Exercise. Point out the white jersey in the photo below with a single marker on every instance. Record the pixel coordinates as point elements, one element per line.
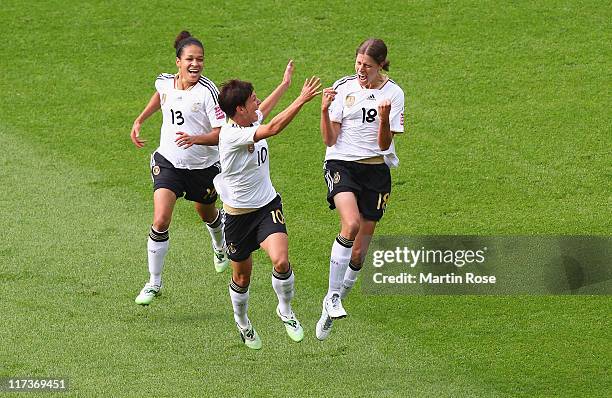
<point>194,111</point>
<point>356,108</point>
<point>244,181</point>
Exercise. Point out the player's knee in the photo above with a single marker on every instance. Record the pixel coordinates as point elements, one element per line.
<point>281,265</point>
<point>208,213</point>
<point>350,229</point>
<point>161,223</point>
<point>241,279</point>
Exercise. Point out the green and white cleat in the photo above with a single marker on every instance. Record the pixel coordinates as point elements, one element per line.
<point>250,337</point>
<point>148,293</point>
<point>220,259</point>
<point>292,325</point>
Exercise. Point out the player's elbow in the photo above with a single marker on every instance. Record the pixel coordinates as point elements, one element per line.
<point>328,139</point>
<point>274,128</point>
<point>329,142</point>
<point>384,145</point>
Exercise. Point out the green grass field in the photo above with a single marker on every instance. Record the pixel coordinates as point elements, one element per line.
<point>508,133</point>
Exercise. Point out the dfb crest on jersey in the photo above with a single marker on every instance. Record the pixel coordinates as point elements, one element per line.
<point>251,148</point>
<point>163,99</point>
<point>349,100</point>
<point>196,106</point>
<point>156,170</point>
<point>336,177</point>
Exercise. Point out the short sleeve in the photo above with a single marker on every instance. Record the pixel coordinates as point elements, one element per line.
<point>162,82</point>
<point>215,115</point>
<point>237,136</point>
<point>159,83</point>
<point>336,109</point>
<point>396,117</point>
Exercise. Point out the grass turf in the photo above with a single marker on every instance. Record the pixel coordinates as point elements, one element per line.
<point>507,133</point>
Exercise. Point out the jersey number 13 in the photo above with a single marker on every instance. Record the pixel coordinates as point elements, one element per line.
<point>177,117</point>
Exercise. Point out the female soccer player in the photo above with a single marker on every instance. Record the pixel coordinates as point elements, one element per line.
<point>359,116</point>
<point>253,209</point>
<point>191,115</point>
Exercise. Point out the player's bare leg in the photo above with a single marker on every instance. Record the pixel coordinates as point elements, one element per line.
<point>277,248</point>
<point>346,204</point>
<point>358,254</point>
<point>239,295</point>
<point>213,218</point>
<point>157,244</point>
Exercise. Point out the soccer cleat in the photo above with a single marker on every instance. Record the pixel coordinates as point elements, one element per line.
<point>292,325</point>
<point>249,336</point>
<point>148,293</point>
<point>324,326</point>
<point>334,308</point>
<point>220,259</point>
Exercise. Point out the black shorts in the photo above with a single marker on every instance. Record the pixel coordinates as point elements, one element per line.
<point>371,184</point>
<point>196,184</point>
<point>244,233</point>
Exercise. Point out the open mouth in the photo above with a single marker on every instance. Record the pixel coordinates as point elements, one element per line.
<point>362,78</point>
<point>193,72</point>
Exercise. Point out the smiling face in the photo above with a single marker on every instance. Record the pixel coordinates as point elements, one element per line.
<point>191,64</point>
<point>368,70</point>
<point>250,108</point>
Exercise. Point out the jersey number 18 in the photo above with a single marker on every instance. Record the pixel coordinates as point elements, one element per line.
<point>368,115</point>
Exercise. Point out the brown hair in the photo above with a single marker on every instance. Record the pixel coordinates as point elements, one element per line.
<point>234,93</point>
<point>185,39</point>
<point>375,48</point>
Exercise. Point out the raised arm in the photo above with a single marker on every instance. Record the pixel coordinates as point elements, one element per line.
<point>329,129</point>
<point>153,106</point>
<point>279,122</point>
<point>270,102</point>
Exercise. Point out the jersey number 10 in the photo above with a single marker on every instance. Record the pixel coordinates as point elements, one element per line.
<point>262,155</point>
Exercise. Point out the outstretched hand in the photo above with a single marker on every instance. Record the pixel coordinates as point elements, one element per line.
<point>288,73</point>
<point>310,89</point>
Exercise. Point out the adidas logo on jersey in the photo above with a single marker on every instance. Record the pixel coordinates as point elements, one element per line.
<point>371,98</point>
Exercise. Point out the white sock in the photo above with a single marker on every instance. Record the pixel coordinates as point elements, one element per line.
<point>350,277</point>
<point>240,302</point>
<point>283,286</point>
<point>157,247</point>
<point>338,263</point>
<point>215,229</point>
